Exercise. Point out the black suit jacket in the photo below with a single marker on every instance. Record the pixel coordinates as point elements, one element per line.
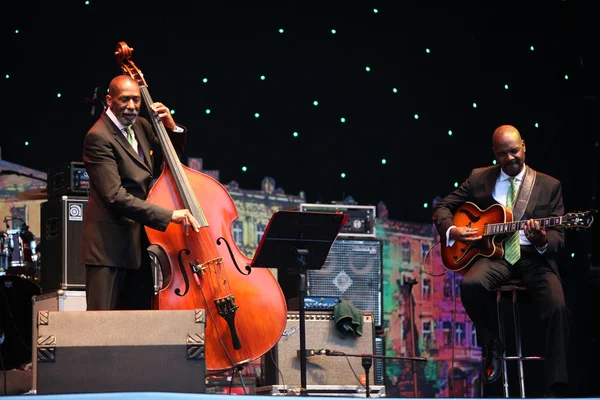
<point>545,201</point>
<point>119,184</point>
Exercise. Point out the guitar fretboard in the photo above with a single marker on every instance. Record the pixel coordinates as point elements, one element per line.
<point>507,227</point>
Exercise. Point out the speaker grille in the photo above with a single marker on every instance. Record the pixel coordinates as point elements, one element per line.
<point>352,271</point>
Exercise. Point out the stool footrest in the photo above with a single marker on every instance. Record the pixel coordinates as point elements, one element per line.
<point>517,358</point>
<point>511,288</point>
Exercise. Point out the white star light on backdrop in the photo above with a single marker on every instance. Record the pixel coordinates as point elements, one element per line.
<point>427,56</point>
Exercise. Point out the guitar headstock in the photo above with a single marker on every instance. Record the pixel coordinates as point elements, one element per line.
<point>579,219</point>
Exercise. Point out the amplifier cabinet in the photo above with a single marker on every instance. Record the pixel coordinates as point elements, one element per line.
<point>352,271</point>
<point>282,363</point>
<point>62,229</point>
<point>68,179</point>
<point>120,351</point>
<point>361,219</point>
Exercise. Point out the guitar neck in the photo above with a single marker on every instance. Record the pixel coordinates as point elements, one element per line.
<point>508,227</point>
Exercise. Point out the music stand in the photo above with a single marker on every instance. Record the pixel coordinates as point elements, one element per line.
<point>301,240</point>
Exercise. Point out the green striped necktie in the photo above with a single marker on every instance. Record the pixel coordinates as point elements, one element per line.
<point>512,246</point>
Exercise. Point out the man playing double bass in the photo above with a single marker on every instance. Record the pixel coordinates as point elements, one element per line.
<point>122,156</point>
<point>533,258</point>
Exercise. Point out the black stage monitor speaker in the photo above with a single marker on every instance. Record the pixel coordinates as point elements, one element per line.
<point>60,247</point>
<point>352,271</point>
<point>120,351</point>
<point>282,363</point>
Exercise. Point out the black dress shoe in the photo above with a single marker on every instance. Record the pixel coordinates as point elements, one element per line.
<point>492,368</point>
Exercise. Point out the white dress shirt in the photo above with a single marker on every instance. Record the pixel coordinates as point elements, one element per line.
<point>501,191</point>
<point>121,127</point>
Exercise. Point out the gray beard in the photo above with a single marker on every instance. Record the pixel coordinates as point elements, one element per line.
<point>126,122</point>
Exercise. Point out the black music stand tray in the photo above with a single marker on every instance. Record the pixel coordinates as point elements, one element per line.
<point>301,240</point>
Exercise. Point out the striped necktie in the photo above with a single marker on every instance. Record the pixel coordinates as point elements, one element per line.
<point>512,246</point>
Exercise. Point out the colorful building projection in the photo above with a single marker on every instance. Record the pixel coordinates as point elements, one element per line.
<point>443,332</point>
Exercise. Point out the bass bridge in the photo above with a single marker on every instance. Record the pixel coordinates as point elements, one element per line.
<point>200,268</point>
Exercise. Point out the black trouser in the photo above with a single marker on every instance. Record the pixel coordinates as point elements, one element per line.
<point>111,288</point>
<point>546,291</point>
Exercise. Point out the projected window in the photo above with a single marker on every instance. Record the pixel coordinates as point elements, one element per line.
<point>447,287</point>
<point>427,335</point>
<point>425,289</point>
<point>406,252</point>
<point>473,336</point>
<point>424,250</point>
<point>238,233</point>
<point>260,231</point>
<point>447,331</point>
<point>457,288</point>
<point>459,334</point>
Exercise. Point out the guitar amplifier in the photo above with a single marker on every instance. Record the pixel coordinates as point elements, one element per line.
<point>70,179</point>
<point>282,362</point>
<point>361,219</point>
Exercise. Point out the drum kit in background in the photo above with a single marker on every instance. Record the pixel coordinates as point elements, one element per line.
<point>19,282</point>
<point>18,255</point>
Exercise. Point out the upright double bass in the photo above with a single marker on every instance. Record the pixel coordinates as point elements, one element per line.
<point>245,308</point>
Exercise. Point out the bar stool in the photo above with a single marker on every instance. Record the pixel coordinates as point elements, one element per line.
<point>514,286</point>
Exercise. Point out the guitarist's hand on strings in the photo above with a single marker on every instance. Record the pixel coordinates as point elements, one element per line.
<point>464,234</point>
<point>186,219</point>
<point>535,234</point>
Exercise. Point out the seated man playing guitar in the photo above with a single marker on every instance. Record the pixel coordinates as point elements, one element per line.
<point>530,196</point>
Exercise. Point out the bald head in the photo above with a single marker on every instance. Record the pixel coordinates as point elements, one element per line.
<point>509,149</point>
<point>121,82</point>
<point>124,99</point>
<point>504,131</point>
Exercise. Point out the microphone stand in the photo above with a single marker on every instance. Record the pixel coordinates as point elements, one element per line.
<point>367,361</point>
<point>302,288</point>
<point>410,282</point>
<point>96,100</point>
